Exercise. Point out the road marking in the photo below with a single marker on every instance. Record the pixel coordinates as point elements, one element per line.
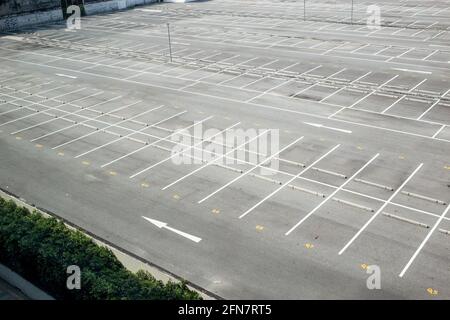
<point>424,242</point>
<point>250,170</point>
<point>432,291</point>
<point>415,71</point>
<point>289,181</point>
<point>215,211</point>
<point>317,125</point>
<point>216,159</point>
<point>65,76</point>
<point>176,197</point>
<point>39,145</point>
<point>259,228</point>
<point>332,194</point>
<point>112,173</point>
<point>309,245</point>
<point>18,138</point>
<point>159,139</point>
<point>61,154</point>
<point>111,125</point>
<point>86,163</point>
<point>164,225</point>
<point>230,99</point>
<point>364,266</point>
<point>145,185</point>
<point>379,210</point>
<point>447,167</point>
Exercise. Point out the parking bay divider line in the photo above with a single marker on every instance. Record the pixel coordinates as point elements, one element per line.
<point>131,133</point>
<point>416,253</point>
<point>75,123</point>
<point>379,210</point>
<point>259,165</point>
<point>332,194</point>
<point>71,114</point>
<point>213,161</point>
<point>183,151</point>
<point>159,139</point>
<point>289,181</point>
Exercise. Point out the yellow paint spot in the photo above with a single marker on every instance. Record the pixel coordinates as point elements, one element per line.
<point>176,197</point>
<point>145,185</point>
<point>259,228</point>
<point>309,245</point>
<point>39,145</point>
<point>19,138</point>
<point>447,167</point>
<point>113,173</point>
<point>86,163</point>
<point>401,157</point>
<point>364,266</point>
<point>216,211</point>
<point>432,291</point>
<point>360,148</point>
<point>61,154</point>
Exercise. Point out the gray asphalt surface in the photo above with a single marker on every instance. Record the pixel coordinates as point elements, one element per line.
<point>367,185</point>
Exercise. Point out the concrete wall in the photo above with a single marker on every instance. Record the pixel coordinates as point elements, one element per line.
<point>11,7</point>
<point>16,14</point>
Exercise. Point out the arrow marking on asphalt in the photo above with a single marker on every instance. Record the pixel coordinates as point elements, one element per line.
<point>163,225</point>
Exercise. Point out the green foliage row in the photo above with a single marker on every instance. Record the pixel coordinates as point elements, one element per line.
<point>40,249</point>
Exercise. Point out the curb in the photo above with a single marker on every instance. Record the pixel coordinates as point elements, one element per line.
<point>130,260</point>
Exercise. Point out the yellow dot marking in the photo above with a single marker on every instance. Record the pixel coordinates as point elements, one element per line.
<point>309,246</point>
<point>19,138</point>
<point>39,145</point>
<point>61,154</point>
<point>401,157</point>
<point>259,228</point>
<point>86,163</point>
<point>113,173</point>
<point>364,266</point>
<point>216,211</point>
<point>145,185</point>
<point>432,291</point>
<point>176,197</point>
<point>447,167</point>
<point>360,148</point>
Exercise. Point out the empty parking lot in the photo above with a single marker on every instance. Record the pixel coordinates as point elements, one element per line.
<point>87,119</point>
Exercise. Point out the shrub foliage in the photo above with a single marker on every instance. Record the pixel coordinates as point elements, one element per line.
<point>40,249</point>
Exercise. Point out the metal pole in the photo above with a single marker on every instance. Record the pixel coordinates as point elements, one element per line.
<point>170,44</point>
<point>352,12</point>
<point>304,10</point>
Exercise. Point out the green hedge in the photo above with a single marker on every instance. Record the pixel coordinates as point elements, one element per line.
<point>40,249</point>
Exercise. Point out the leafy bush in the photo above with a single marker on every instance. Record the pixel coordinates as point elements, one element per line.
<point>40,249</point>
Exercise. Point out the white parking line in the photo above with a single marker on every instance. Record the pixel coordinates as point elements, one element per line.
<point>68,113</point>
<point>250,170</point>
<point>40,111</point>
<point>183,151</point>
<point>159,139</point>
<point>129,134</point>
<point>214,160</point>
<point>289,181</point>
<point>379,210</point>
<point>416,253</point>
<point>331,195</point>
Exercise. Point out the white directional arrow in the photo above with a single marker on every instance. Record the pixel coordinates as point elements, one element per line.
<point>163,225</point>
<point>318,125</point>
